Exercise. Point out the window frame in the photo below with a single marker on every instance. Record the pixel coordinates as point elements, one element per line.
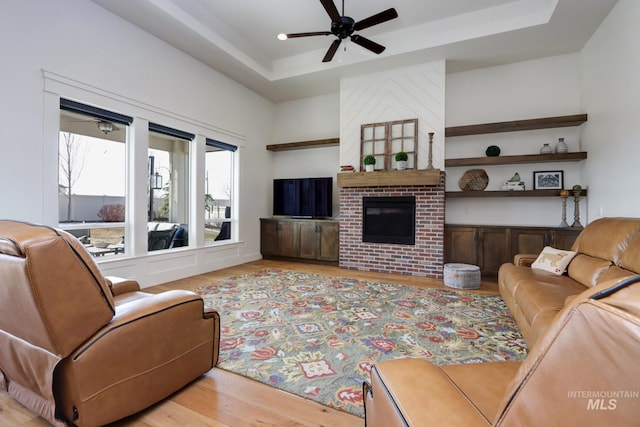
<point>56,86</point>
<point>381,141</point>
<point>89,112</point>
<point>231,219</point>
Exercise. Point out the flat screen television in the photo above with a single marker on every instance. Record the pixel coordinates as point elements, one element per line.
<point>303,197</point>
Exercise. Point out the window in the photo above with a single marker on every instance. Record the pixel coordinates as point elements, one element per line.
<point>384,140</point>
<point>219,161</point>
<point>91,176</point>
<point>168,202</point>
<point>96,158</point>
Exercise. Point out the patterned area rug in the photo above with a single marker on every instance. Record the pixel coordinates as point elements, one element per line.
<point>317,336</point>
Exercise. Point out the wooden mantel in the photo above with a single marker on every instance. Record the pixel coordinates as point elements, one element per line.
<point>389,178</point>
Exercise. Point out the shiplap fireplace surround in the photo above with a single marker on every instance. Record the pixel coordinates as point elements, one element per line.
<point>425,257</point>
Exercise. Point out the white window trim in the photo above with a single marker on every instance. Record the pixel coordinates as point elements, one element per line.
<point>57,86</point>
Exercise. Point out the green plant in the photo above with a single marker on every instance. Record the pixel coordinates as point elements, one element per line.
<point>401,156</point>
<point>369,160</point>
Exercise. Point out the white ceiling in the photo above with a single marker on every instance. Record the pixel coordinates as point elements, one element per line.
<point>238,37</point>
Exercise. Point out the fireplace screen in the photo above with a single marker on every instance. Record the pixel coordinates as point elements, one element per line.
<point>389,220</point>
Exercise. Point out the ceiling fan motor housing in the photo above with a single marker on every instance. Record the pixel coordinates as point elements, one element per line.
<point>344,28</point>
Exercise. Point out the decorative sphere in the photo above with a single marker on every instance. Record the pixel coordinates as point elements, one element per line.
<point>577,187</point>
<point>492,151</point>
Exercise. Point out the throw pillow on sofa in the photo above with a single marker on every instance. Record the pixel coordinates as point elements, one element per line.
<point>553,260</point>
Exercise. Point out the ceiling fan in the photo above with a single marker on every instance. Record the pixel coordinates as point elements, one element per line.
<point>344,26</point>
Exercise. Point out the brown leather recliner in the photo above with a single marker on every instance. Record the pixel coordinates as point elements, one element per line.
<point>583,371</point>
<point>80,349</point>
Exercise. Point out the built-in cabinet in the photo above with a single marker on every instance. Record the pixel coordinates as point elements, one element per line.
<point>491,246</point>
<point>308,239</point>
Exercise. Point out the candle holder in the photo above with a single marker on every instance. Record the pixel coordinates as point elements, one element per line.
<point>576,209</point>
<point>430,164</point>
<point>564,194</point>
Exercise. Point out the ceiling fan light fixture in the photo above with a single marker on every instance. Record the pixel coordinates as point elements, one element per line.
<point>282,36</point>
<point>105,126</point>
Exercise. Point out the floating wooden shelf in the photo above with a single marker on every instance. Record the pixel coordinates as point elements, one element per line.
<point>389,178</point>
<point>526,193</point>
<point>517,125</point>
<point>527,158</point>
<point>304,144</point>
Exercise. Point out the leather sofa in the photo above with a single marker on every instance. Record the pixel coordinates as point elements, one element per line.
<point>583,371</point>
<point>607,249</point>
<point>583,332</point>
<point>81,349</point>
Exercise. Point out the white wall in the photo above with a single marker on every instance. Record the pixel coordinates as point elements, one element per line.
<point>526,90</point>
<point>308,119</point>
<point>610,64</point>
<point>83,43</point>
<point>403,93</point>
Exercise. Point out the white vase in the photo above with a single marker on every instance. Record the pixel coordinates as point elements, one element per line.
<point>546,149</point>
<point>401,164</point>
<point>561,146</point>
<point>369,168</point>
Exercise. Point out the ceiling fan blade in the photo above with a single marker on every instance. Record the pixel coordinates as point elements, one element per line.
<point>332,51</point>
<point>332,10</point>
<point>315,33</point>
<point>367,44</point>
<point>376,19</point>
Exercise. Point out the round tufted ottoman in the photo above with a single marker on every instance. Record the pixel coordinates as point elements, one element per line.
<point>462,276</point>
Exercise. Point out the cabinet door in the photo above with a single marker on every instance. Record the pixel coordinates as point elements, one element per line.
<point>460,245</point>
<point>494,250</point>
<point>328,249</point>
<point>288,238</point>
<point>529,240</point>
<point>309,239</point>
<point>269,237</point>
<point>564,239</point>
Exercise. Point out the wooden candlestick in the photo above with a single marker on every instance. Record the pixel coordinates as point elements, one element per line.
<point>564,194</point>
<point>576,210</point>
<point>430,164</point>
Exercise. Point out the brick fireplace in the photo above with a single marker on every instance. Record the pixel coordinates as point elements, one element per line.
<point>425,257</point>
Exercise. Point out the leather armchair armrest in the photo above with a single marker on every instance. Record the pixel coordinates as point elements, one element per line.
<point>178,307</point>
<point>524,260</point>
<point>120,286</point>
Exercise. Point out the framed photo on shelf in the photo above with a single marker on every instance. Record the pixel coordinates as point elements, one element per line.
<point>548,180</point>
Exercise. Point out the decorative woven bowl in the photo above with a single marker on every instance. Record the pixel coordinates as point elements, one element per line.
<point>474,180</point>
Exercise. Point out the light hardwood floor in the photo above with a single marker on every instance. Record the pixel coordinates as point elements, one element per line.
<point>220,398</point>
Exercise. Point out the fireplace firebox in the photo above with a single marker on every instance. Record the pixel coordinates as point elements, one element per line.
<point>389,220</point>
